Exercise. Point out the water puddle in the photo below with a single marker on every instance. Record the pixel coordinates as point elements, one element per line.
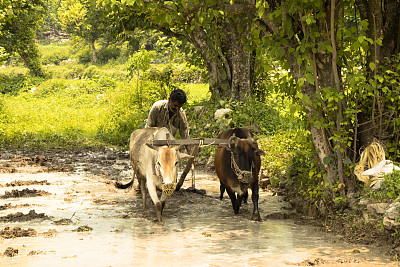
<point>95,224</point>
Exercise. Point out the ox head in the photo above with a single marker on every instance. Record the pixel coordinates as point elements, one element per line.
<point>166,166</point>
<point>243,156</point>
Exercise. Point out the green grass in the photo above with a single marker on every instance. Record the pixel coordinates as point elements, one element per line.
<point>197,92</point>
<point>72,112</point>
<point>37,122</point>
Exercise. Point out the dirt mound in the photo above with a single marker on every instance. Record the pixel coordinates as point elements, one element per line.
<point>20,217</point>
<point>10,252</point>
<point>63,221</point>
<point>8,232</point>
<point>319,262</point>
<point>24,193</point>
<point>26,183</point>
<point>14,163</point>
<point>49,233</point>
<point>10,206</point>
<point>36,252</point>
<point>83,228</point>
<point>100,161</point>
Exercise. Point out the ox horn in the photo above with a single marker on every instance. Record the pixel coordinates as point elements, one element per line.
<point>232,140</point>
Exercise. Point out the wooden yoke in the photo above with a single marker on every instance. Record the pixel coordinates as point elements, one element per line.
<point>196,142</point>
<point>189,141</point>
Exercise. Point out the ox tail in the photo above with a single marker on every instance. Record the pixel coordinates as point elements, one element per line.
<point>120,185</point>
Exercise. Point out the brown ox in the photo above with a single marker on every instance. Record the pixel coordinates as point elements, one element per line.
<point>155,167</point>
<point>237,166</point>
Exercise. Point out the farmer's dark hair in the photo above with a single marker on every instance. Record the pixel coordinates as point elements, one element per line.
<point>178,95</point>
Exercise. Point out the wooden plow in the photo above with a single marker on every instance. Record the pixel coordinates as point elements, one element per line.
<point>196,143</point>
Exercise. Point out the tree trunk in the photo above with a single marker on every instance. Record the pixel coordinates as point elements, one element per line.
<point>94,52</point>
<point>229,63</point>
<point>240,60</point>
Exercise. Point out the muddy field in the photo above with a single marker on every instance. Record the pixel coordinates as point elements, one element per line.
<point>62,209</point>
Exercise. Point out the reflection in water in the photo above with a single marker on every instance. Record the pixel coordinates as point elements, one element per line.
<point>199,230</point>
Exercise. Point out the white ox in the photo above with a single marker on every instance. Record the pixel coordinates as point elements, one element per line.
<point>156,167</point>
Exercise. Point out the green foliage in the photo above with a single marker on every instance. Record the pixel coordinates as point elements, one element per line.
<point>50,87</point>
<point>305,181</point>
<point>197,92</point>
<point>91,71</point>
<point>50,22</point>
<point>169,76</point>
<point>4,113</point>
<point>54,54</point>
<point>139,62</point>
<point>59,113</point>
<point>19,21</point>
<point>91,22</point>
<point>391,184</point>
<point>103,57</point>
<point>172,50</point>
<point>14,83</point>
<point>85,55</point>
<point>3,56</point>
<point>125,112</point>
<point>108,54</point>
<point>389,190</point>
<point>280,148</point>
<point>186,73</point>
<point>261,118</point>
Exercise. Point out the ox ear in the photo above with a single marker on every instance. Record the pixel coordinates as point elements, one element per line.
<point>259,152</point>
<point>184,155</point>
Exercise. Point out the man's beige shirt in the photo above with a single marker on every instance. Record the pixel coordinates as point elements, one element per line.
<point>159,117</point>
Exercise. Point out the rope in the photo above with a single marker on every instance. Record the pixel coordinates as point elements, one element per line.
<point>243,176</point>
<point>371,156</point>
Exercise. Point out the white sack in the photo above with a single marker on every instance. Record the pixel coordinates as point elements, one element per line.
<point>382,168</point>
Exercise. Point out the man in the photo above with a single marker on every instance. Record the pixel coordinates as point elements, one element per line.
<point>169,114</point>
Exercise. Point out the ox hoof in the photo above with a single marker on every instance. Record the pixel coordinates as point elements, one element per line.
<point>157,221</point>
<point>256,217</point>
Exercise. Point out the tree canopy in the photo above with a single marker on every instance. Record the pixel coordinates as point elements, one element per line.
<point>19,21</point>
<point>342,57</point>
<point>91,22</point>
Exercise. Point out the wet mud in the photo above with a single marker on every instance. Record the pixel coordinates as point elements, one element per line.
<point>24,193</point>
<point>81,219</point>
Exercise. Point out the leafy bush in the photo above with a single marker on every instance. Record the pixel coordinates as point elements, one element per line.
<point>304,183</point>
<point>123,112</point>
<point>50,87</point>
<point>84,55</point>
<point>389,190</point>
<point>91,72</point>
<point>53,55</point>
<point>261,118</point>
<point>280,149</point>
<point>14,83</point>
<point>4,112</point>
<point>186,73</point>
<point>108,54</point>
<point>66,70</point>
<point>391,184</point>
